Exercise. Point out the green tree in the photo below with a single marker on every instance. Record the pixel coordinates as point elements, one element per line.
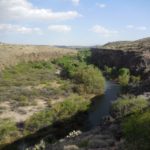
<point>124,76</point>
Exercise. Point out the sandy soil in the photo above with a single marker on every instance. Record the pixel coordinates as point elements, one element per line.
<point>21,113</point>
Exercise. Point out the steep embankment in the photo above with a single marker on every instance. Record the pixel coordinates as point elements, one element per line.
<point>133,55</point>
<point>11,54</point>
<point>137,62</point>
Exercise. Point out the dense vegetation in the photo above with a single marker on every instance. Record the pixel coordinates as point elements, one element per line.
<point>127,105</point>
<point>88,79</point>
<point>122,75</point>
<point>136,129</point>
<point>63,86</point>
<point>135,115</point>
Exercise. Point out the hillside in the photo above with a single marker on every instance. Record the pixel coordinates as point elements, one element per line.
<point>11,54</point>
<point>138,45</point>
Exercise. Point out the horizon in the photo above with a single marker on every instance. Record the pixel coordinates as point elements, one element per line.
<point>73,22</point>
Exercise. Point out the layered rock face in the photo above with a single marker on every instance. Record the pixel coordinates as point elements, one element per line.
<point>137,62</point>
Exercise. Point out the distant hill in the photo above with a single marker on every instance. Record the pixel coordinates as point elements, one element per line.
<point>138,45</point>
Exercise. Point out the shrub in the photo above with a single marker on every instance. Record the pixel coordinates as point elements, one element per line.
<point>136,130</point>
<point>84,55</point>
<point>89,80</point>
<point>124,76</point>
<point>69,107</point>
<point>135,79</point>
<point>108,70</point>
<point>58,111</point>
<point>39,120</point>
<point>8,131</point>
<point>128,105</point>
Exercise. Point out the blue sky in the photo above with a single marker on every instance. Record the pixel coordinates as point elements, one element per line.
<point>73,22</point>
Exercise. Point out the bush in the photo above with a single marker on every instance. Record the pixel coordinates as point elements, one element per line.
<point>124,76</point>
<point>39,120</point>
<point>8,131</point>
<point>136,130</point>
<point>84,55</point>
<point>69,107</point>
<point>108,70</point>
<point>58,111</point>
<point>128,105</point>
<point>135,79</point>
<point>89,80</point>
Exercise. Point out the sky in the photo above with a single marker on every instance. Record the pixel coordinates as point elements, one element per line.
<point>73,22</point>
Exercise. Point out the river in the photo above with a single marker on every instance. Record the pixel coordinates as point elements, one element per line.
<point>101,104</point>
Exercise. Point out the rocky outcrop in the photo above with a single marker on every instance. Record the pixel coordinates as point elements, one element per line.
<point>137,62</point>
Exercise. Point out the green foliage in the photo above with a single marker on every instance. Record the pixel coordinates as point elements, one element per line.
<point>58,111</point>
<point>88,78</point>
<point>135,79</point>
<point>128,105</point>
<point>69,107</point>
<point>84,55</point>
<point>136,129</point>
<point>39,120</point>
<point>108,70</point>
<point>124,76</point>
<point>27,73</point>
<point>8,131</point>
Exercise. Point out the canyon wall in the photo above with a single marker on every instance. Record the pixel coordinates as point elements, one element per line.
<point>137,62</point>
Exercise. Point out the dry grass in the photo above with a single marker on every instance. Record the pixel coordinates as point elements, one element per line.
<point>11,54</point>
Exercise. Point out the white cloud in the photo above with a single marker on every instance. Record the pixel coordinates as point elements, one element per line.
<point>76,2</point>
<point>140,28</point>
<point>59,28</point>
<point>18,29</point>
<point>23,9</point>
<point>130,26</point>
<point>103,31</point>
<point>101,5</point>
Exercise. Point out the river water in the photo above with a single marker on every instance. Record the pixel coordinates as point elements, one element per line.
<point>101,104</point>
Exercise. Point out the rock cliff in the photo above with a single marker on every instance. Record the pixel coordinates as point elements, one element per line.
<point>136,61</point>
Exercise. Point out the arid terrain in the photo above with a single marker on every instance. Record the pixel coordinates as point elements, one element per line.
<point>11,54</point>
<point>46,91</point>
